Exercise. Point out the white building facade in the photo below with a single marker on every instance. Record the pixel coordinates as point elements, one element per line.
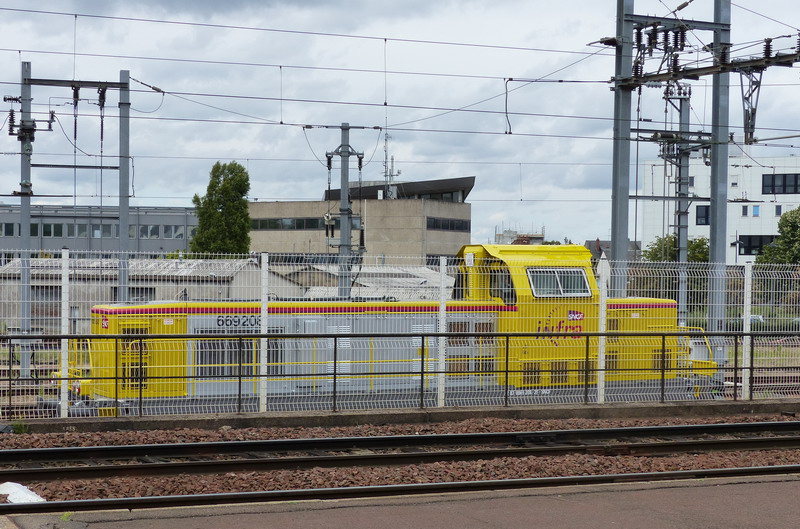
<point>760,190</point>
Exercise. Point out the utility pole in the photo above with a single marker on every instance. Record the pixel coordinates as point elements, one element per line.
<point>668,35</point>
<point>620,185</point>
<point>25,133</point>
<point>718,212</point>
<point>652,34</point>
<point>344,151</point>
<point>682,217</point>
<point>124,180</point>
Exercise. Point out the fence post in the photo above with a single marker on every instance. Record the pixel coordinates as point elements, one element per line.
<point>441,341</point>
<point>263,330</point>
<point>140,376</point>
<point>9,392</point>
<point>736,370</point>
<point>507,389</point>
<point>117,379</point>
<point>586,372</point>
<point>663,367</point>
<point>239,375</point>
<point>604,270</point>
<point>422,373</point>
<point>748,344</point>
<point>335,369</point>
<point>63,393</point>
<point>750,367</point>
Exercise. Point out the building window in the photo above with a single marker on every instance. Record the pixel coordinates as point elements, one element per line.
<point>148,231</point>
<point>437,223</point>
<point>77,230</point>
<point>34,230</point>
<point>52,230</point>
<point>105,231</point>
<point>752,244</point>
<point>7,229</point>
<point>300,223</point>
<point>701,216</point>
<point>780,184</point>
<point>778,210</point>
<point>744,211</point>
<point>45,293</point>
<point>756,211</point>
<point>173,231</point>
<point>135,293</point>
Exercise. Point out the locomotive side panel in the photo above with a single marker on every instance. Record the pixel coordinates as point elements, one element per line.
<point>499,289</point>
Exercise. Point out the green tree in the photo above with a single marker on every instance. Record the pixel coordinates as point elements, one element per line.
<point>666,249</point>
<point>785,249</point>
<point>223,221</point>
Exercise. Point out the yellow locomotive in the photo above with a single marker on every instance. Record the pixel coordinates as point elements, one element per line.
<point>515,325</point>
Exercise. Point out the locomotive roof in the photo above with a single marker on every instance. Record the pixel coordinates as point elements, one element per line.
<point>559,254</point>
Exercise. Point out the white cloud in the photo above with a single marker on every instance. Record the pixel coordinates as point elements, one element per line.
<point>551,171</point>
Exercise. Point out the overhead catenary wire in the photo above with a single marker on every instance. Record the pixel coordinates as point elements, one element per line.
<point>290,31</point>
<point>414,130</point>
<point>277,66</point>
<point>734,4</point>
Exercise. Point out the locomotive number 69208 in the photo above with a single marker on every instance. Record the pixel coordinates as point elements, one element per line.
<point>239,320</point>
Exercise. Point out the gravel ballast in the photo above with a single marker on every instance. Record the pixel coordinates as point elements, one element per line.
<point>501,468</point>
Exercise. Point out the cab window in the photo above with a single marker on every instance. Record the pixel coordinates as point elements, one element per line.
<point>501,286</point>
<point>559,282</point>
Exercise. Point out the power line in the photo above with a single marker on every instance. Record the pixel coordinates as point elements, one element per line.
<point>265,121</point>
<point>267,65</point>
<point>765,16</point>
<point>294,32</point>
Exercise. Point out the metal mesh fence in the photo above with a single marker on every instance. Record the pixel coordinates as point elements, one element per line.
<point>99,335</point>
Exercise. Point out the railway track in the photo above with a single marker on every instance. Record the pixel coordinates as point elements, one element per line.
<point>37,465</point>
<point>47,464</point>
<point>196,500</point>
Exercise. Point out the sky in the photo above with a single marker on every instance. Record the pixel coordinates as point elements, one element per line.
<point>512,92</point>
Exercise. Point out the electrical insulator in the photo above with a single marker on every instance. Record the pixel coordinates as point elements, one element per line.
<point>11,122</point>
<point>360,161</point>
<point>767,48</point>
<point>330,161</point>
<point>638,68</point>
<point>651,40</point>
<point>638,37</point>
<point>682,34</point>
<point>724,58</point>
<point>666,39</point>
<point>675,66</point>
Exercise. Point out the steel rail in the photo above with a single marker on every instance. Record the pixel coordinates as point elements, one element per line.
<point>196,500</point>
<point>544,437</point>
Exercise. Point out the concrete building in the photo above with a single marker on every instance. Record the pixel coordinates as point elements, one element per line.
<point>509,236</point>
<point>427,219</point>
<point>423,219</point>
<point>759,192</point>
<point>152,230</point>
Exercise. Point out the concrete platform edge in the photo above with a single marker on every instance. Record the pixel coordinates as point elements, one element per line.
<point>415,416</point>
